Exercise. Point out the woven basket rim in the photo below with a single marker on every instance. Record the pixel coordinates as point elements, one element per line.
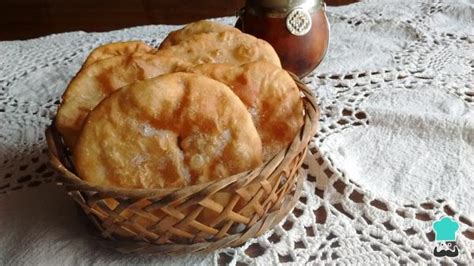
<point>57,150</point>
<point>202,247</point>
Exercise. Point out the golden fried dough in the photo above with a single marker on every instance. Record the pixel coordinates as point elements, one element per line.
<point>170,131</point>
<point>202,26</point>
<point>93,83</point>
<point>222,47</point>
<point>117,48</point>
<point>270,95</point>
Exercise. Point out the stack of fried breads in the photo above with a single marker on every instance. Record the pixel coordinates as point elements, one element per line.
<point>209,103</point>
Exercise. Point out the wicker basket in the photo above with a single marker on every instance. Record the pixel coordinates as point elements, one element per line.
<point>152,221</point>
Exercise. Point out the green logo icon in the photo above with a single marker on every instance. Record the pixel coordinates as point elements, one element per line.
<point>445,229</point>
<point>445,236</point>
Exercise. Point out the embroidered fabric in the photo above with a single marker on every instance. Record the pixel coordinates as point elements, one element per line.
<point>395,151</point>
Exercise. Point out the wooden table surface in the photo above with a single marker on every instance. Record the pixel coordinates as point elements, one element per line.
<point>24,19</point>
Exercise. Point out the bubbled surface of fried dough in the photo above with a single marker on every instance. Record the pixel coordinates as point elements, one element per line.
<point>222,47</point>
<point>171,131</point>
<point>270,95</point>
<point>117,48</point>
<point>202,26</point>
<point>95,82</point>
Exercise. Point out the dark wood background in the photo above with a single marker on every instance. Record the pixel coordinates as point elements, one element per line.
<point>24,19</point>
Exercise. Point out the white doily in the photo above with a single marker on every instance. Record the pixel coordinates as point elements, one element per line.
<point>396,92</point>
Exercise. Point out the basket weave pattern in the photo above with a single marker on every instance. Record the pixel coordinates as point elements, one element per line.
<point>192,219</point>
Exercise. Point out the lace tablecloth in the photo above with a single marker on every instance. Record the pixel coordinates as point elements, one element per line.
<point>394,153</point>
